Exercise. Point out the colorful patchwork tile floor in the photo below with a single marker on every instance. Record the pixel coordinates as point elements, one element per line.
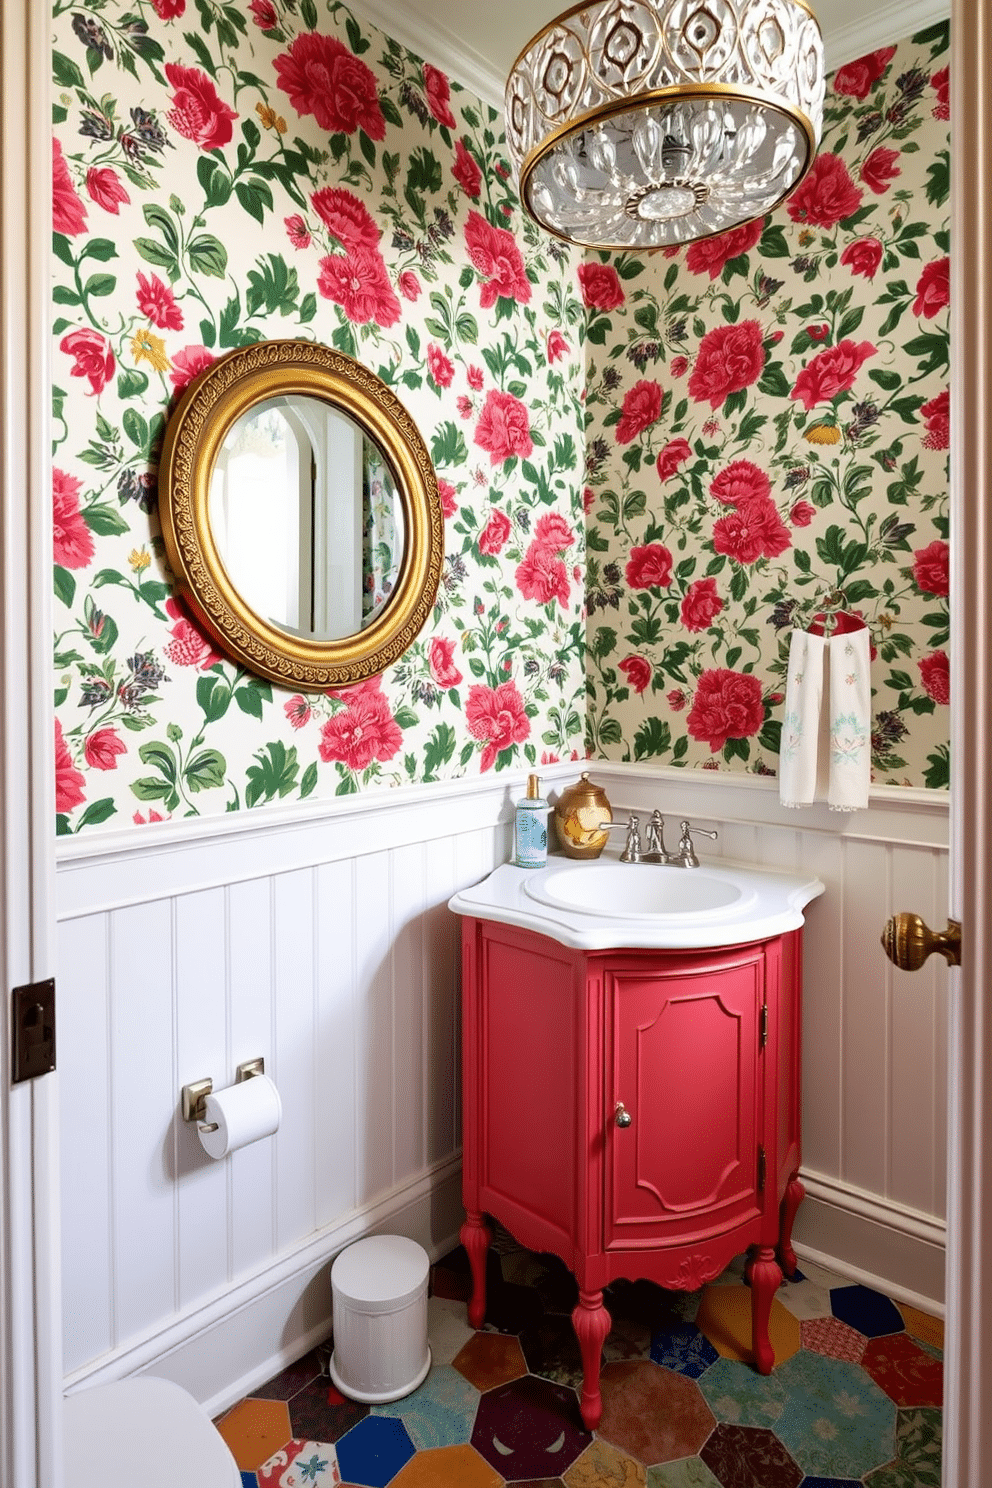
<point>855,1396</point>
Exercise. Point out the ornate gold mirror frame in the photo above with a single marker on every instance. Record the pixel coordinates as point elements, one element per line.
<point>205,414</point>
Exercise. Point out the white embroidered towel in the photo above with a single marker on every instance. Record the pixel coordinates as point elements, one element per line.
<point>826,752</point>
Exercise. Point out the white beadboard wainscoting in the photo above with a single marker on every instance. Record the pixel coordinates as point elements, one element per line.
<point>321,940</point>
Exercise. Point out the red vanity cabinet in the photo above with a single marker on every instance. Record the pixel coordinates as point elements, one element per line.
<point>636,1112</point>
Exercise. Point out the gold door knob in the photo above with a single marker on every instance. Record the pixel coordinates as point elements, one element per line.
<point>908,941</point>
<point>621,1115</point>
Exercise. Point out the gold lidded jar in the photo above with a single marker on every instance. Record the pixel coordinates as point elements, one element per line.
<point>579,813</point>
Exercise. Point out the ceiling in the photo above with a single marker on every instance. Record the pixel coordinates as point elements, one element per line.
<point>477,41</point>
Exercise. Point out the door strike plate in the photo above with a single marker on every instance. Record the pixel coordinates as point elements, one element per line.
<point>33,1030</point>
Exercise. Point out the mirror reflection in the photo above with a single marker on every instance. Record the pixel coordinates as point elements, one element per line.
<point>306,518</point>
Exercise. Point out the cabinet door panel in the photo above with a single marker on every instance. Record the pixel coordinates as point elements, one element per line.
<point>685,1062</point>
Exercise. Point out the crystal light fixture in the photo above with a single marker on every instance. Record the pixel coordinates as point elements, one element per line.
<point>648,123</point>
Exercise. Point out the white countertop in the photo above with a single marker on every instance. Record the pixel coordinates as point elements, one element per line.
<point>767,903</point>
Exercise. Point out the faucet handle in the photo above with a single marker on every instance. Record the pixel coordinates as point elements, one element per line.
<point>687,853</point>
<point>632,847</point>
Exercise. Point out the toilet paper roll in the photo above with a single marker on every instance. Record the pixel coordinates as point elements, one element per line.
<point>241,1114</point>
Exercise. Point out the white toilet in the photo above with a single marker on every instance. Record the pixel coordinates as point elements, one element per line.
<point>146,1431</point>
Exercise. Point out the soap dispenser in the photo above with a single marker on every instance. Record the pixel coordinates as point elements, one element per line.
<point>530,835</point>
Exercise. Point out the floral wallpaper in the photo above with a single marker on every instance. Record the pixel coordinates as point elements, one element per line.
<point>766,441</point>
<point>225,172</point>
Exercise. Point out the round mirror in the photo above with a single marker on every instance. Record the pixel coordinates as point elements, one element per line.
<point>300,514</point>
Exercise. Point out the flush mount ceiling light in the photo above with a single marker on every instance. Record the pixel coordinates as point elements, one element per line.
<point>647,123</point>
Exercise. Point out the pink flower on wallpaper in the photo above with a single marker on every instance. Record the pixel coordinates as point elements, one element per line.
<point>493,536</point>
<point>600,286</point>
<point>856,79</point>
<point>297,231</point>
<point>497,258</point>
<point>726,705</point>
<point>438,366</point>
<point>880,169</point>
<point>937,414</point>
<point>447,494</point>
<point>465,406</point>
<point>863,256</point>
<point>935,674</point>
<point>496,716</point>
<point>801,514</point>
<point>931,568</point>
<point>826,196</point>
<point>504,427</point>
<point>554,532</point>
<point>92,356</point>
<point>68,212</point>
<point>409,285</point>
<point>347,217</point>
<point>189,363</point>
<point>106,188</point>
<point>675,453</point>
<point>677,700</point>
<point>710,255</point>
<point>440,659</point>
<point>740,481</point>
<point>641,408</point>
<point>197,112</point>
<point>298,711</point>
<point>466,171</point>
<point>755,530</point>
<point>649,567</point>
<point>933,289</point>
<point>72,540</point>
<point>69,781</point>
<point>940,82</point>
<point>357,281</point>
<point>189,647</point>
<point>362,732</point>
<point>637,670</point>
<point>557,346</point>
<point>157,303</point>
<point>679,366</point>
<point>700,605</point>
<point>438,93</point>
<point>102,748</point>
<point>153,816</point>
<point>264,14</point>
<point>475,378</point>
<point>541,575</point>
<point>730,357</point>
<point>169,10</point>
<point>831,372</point>
<point>321,77</point>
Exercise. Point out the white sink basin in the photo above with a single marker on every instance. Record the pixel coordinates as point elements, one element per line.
<point>637,889</point>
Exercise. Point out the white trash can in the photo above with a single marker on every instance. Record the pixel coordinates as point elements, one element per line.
<point>379,1291</point>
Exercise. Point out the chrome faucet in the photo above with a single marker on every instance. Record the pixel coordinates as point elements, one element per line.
<point>655,850</point>
<point>687,853</point>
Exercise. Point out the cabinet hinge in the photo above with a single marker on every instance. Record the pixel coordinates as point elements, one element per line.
<point>762,1166</point>
<point>33,1030</point>
<point>763,1026</point>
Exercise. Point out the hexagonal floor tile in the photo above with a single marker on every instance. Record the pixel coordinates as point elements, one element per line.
<point>319,1412</point>
<point>490,1359</point>
<point>735,1393</point>
<point>440,1412</point>
<point>602,1464</point>
<point>651,1413</point>
<point>300,1464</point>
<point>725,1317</point>
<point>448,1467</point>
<point>255,1429</point>
<point>923,1327</point>
<point>836,1421</point>
<point>372,1453</point>
<point>831,1483</point>
<point>918,1444</point>
<point>552,1350</point>
<point>832,1337</point>
<point>748,1457</point>
<point>805,1297</point>
<point>687,1472</point>
<point>289,1381</point>
<point>907,1374</point>
<point>684,1349</point>
<point>892,1475</point>
<point>448,1328</point>
<point>530,1428</point>
<point>866,1310</point>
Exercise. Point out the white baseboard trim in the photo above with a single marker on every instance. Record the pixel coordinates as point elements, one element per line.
<point>239,1338</point>
<point>888,1246</point>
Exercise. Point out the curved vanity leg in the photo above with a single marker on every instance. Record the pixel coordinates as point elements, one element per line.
<point>476,1238</point>
<point>591,1322</point>
<point>794,1195</point>
<point>765,1277</point>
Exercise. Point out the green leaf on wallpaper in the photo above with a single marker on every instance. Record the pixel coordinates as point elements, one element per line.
<point>154,253</point>
<point>772,382</point>
<point>213,694</point>
<point>62,249</point>
<point>907,408</point>
<point>938,187</point>
<point>207,255</point>
<point>773,243</point>
<point>850,323</point>
<point>63,295</point>
<point>308,784</point>
<point>802,560</point>
<point>158,218</point>
<point>65,585</point>
<point>770,737</point>
<point>255,196</point>
<point>308,308</point>
<point>252,134</point>
<point>938,776</point>
<point>97,812</point>
<point>135,427</point>
<point>736,401</point>
<point>439,749</point>
<point>102,249</point>
<point>104,520</point>
<point>162,758</point>
<point>131,383</point>
<point>65,72</point>
<point>347,785</point>
<point>274,775</point>
<point>199,46</point>
<point>738,584</point>
<point>208,333</point>
<point>885,380</point>
<point>215,181</point>
<point>653,738</point>
<point>424,172</point>
<point>273,285</point>
<point>413,340</point>
<point>249,698</point>
<point>751,424</point>
<point>736,749</point>
<point>448,445</point>
<point>206,770</point>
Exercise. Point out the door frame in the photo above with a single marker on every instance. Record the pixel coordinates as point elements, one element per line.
<point>30,1261</point>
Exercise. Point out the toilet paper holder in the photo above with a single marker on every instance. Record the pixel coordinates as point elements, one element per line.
<point>195,1094</point>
